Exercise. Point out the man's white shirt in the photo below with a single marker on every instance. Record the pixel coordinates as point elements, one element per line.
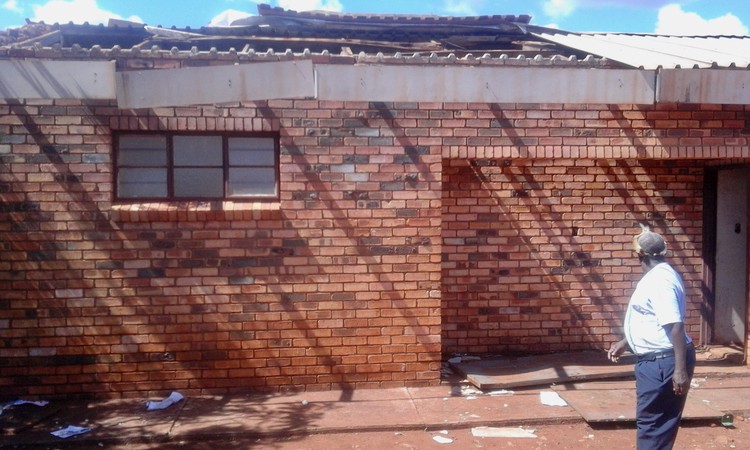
<point>658,300</point>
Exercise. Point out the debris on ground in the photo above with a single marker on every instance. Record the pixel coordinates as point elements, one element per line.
<point>70,431</point>
<point>443,438</point>
<point>552,398</point>
<point>5,406</point>
<point>173,398</point>
<point>504,432</point>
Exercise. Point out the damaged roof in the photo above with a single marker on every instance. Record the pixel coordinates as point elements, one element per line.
<point>278,30</point>
<point>650,51</point>
<point>504,39</point>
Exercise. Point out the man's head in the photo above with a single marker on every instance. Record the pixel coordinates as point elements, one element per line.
<point>649,244</point>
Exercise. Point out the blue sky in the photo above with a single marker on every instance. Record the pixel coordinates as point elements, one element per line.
<point>687,17</point>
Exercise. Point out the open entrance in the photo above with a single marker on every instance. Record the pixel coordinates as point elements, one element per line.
<point>729,321</point>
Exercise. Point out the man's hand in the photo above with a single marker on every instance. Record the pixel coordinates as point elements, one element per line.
<point>617,349</point>
<point>680,382</point>
<point>680,378</point>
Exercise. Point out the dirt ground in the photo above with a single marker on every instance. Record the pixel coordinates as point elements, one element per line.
<point>579,436</point>
<point>567,433</point>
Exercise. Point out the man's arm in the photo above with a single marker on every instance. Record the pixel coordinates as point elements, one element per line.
<point>680,379</point>
<point>617,349</point>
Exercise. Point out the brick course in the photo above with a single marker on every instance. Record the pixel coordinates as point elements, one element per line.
<point>404,233</point>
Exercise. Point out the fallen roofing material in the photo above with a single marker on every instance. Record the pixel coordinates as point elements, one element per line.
<point>615,402</point>
<point>510,372</point>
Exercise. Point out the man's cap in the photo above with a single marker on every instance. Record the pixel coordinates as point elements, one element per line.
<point>649,243</point>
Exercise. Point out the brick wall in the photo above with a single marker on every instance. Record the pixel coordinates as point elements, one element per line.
<point>538,254</point>
<point>404,232</point>
<point>337,285</point>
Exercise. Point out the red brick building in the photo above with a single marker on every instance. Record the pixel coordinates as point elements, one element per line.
<point>210,220</point>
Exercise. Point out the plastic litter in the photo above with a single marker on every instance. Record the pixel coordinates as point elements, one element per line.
<point>501,392</point>
<point>442,440</point>
<point>173,398</point>
<point>70,431</point>
<point>551,398</point>
<point>505,432</point>
<point>5,406</point>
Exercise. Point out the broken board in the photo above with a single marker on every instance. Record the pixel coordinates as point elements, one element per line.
<point>525,371</point>
<point>615,402</point>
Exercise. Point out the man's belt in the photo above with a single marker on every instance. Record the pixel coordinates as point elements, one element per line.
<point>653,356</point>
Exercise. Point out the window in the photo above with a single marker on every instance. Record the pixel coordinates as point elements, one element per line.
<point>192,167</point>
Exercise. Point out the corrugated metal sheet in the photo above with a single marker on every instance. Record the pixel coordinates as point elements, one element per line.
<point>652,51</point>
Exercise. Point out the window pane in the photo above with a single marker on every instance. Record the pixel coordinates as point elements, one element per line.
<point>251,182</point>
<point>198,183</point>
<point>150,183</point>
<point>142,151</point>
<point>252,152</point>
<point>197,151</point>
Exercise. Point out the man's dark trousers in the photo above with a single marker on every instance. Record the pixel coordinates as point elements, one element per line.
<point>658,408</point>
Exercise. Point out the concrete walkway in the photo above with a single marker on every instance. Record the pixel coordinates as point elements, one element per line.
<point>454,404</point>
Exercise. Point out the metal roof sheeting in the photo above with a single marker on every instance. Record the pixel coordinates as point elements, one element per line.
<point>650,51</point>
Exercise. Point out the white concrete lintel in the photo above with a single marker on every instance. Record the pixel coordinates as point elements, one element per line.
<point>711,86</point>
<point>485,84</point>
<point>217,84</point>
<point>52,79</point>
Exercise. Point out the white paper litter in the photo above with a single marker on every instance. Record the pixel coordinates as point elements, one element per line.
<point>501,392</point>
<point>29,402</point>
<point>173,398</point>
<point>5,406</point>
<point>69,431</point>
<point>442,440</point>
<point>506,432</point>
<point>551,398</point>
<point>468,390</point>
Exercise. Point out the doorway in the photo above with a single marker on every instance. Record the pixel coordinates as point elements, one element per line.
<point>730,271</point>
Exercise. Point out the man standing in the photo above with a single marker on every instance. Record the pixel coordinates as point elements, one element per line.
<point>655,332</point>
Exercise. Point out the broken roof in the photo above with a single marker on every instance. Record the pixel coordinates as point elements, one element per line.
<point>278,30</point>
<point>499,58</point>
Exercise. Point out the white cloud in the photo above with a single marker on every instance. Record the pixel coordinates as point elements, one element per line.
<point>563,8</point>
<point>463,7</point>
<point>76,11</point>
<point>225,18</point>
<point>673,20</point>
<point>559,8</point>
<point>310,5</point>
<point>12,5</point>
